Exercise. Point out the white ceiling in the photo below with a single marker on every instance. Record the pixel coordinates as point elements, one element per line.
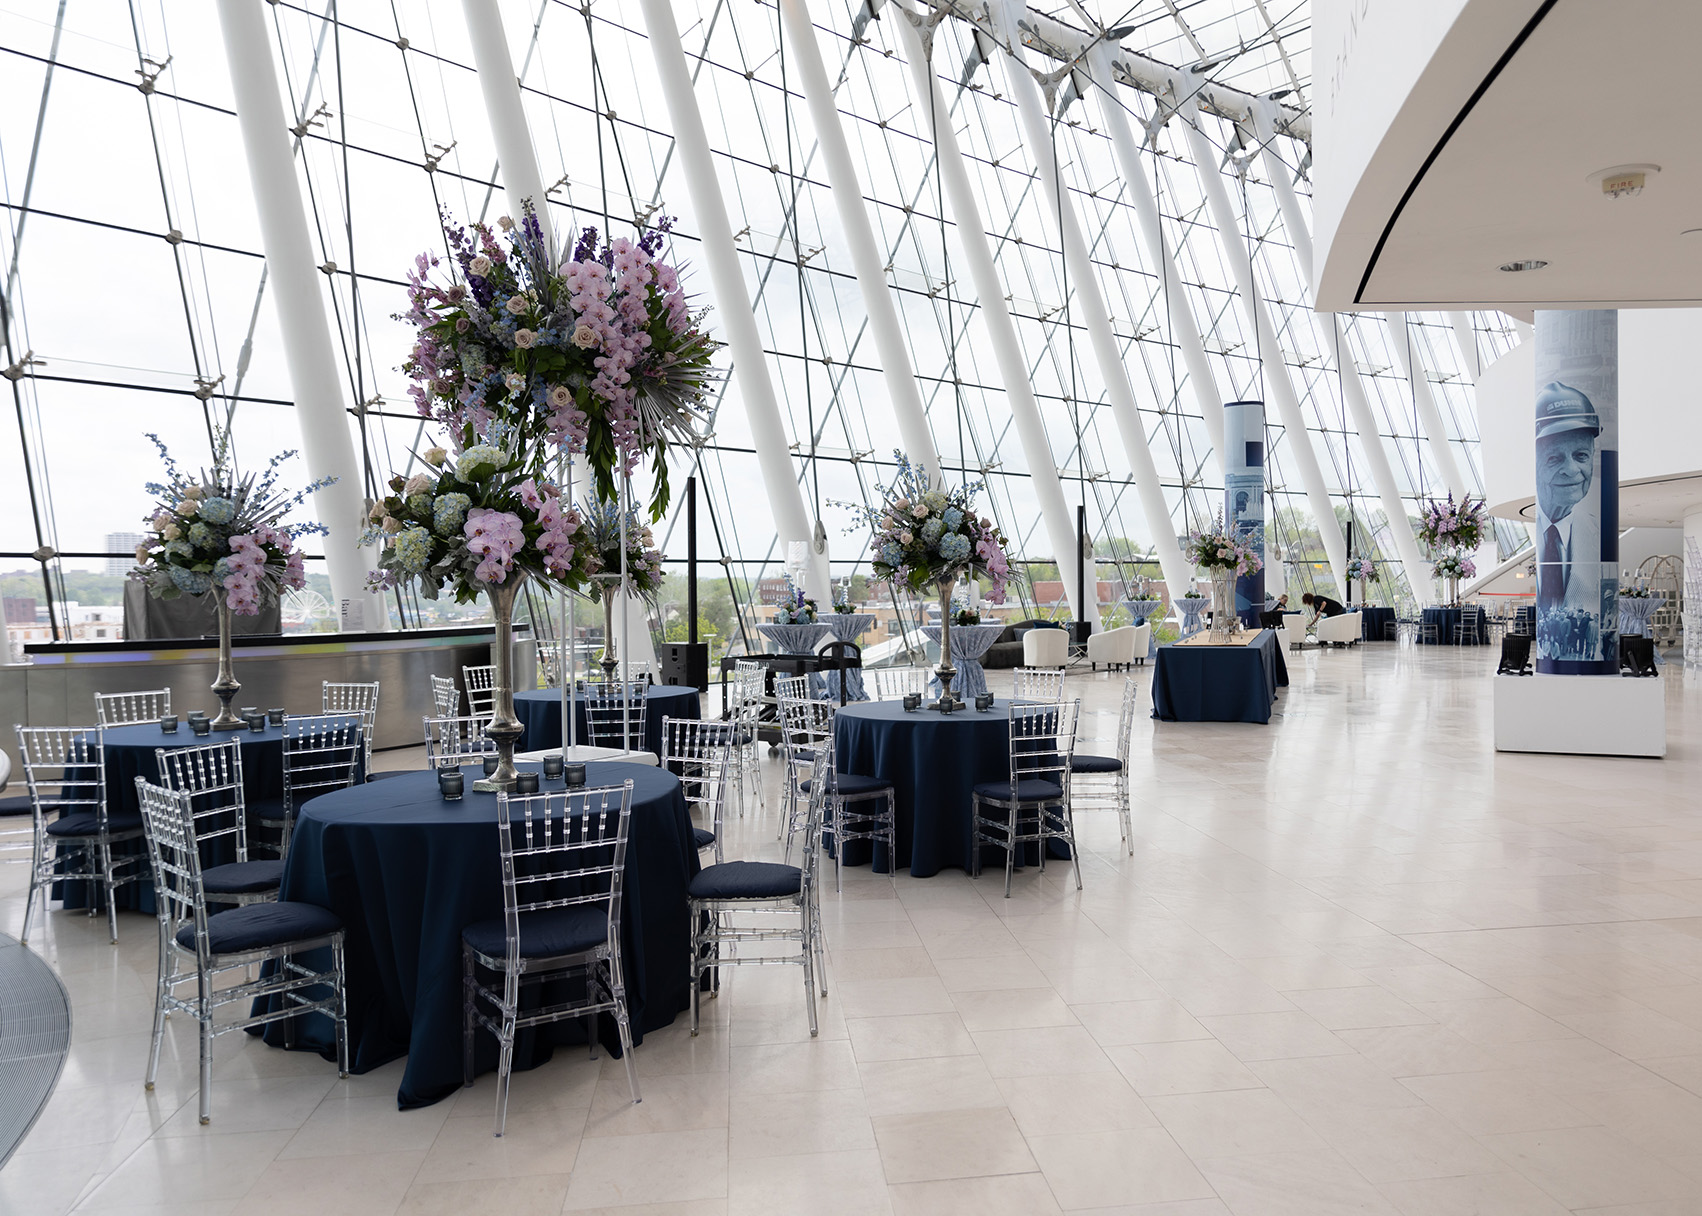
<point>1596,84</point>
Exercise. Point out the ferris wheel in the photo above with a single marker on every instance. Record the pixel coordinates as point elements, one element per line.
<point>301,607</point>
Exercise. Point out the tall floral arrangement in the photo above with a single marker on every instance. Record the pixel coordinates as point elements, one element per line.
<point>603,550</point>
<point>474,521</point>
<point>796,608</point>
<point>219,529</point>
<point>1220,548</point>
<point>923,536</point>
<point>1362,567</point>
<point>599,354</point>
<point>1451,525</point>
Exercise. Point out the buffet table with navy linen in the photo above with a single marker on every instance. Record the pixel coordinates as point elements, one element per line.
<point>407,871</point>
<point>132,751</point>
<point>539,711</point>
<point>1209,683</point>
<point>934,762</point>
<point>1447,622</point>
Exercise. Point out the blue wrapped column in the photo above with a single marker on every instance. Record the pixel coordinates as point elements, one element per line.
<point>1577,484</point>
<point>1244,496</point>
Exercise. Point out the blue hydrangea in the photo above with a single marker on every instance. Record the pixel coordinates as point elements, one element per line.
<point>200,535</point>
<point>954,546</point>
<point>419,504</point>
<point>412,548</point>
<point>190,582</point>
<point>891,554</point>
<point>178,548</point>
<point>218,510</point>
<point>449,513</point>
<point>953,518</point>
<point>221,569</point>
<point>932,529</point>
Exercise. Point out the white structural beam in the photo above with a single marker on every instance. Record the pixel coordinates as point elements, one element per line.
<point>1097,318</point>
<point>1353,389</point>
<point>1411,357</point>
<point>515,154</point>
<point>1001,331</point>
<point>1278,383</point>
<point>293,272</point>
<point>732,299</point>
<point>1466,335</point>
<point>1184,329</point>
<point>847,191</point>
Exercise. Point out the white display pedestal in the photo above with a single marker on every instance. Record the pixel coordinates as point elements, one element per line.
<point>1581,715</point>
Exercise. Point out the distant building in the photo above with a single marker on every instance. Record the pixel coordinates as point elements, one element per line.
<point>20,609</point>
<point>125,543</point>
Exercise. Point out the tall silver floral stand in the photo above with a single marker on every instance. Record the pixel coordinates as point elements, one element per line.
<point>848,627</point>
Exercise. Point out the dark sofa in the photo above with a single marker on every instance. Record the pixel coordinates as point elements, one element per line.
<point>1007,651</point>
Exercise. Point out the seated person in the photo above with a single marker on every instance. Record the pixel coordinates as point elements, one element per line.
<point>1271,618</point>
<point>1321,605</point>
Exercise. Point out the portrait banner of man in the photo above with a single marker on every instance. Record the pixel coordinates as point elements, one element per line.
<point>1244,496</point>
<point>1577,492</point>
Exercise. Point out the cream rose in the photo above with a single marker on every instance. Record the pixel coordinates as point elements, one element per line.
<point>480,266</point>
<point>517,305</point>
<point>419,483</point>
<point>506,224</point>
<point>524,338</point>
<point>391,524</point>
<point>171,532</point>
<point>515,382</point>
<point>560,398</point>
<point>585,337</point>
<point>435,457</point>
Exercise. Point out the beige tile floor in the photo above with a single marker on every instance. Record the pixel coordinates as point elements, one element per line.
<point>1358,963</point>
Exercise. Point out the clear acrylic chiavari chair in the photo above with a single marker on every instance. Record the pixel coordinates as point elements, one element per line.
<point>196,945</point>
<point>563,871</point>
<point>445,697</point>
<point>615,714</point>
<point>454,741</point>
<point>703,756</point>
<point>481,689</point>
<point>127,708</point>
<point>210,776</point>
<point>1037,684</point>
<point>895,683</point>
<point>72,833</point>
<point>359,699</point>
<point>1102,782</point>
<point>321,754</point>
<point>1033,804</point>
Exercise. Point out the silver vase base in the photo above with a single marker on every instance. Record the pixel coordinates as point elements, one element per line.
<point>950,701</point>
<point>494,785</point>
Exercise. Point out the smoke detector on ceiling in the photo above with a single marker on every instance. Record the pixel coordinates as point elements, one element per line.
<point>1624,181</point>
<point>1524,264</point>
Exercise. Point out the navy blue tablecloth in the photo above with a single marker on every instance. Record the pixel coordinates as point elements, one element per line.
<point>1218,683</point>
<point>934,761</point>
<point>408,871</point>
<point>1446,620</point>
<point>1376,624</point>
<point>539,711</point>
<point>130,752</point>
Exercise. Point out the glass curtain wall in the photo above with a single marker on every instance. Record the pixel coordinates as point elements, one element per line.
<point>136,298</point>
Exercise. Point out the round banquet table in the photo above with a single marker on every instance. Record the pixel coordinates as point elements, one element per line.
<point>1192,607</point>
<point>969,644</point>
<point>1634,614</point>
<point>934,761</point>
<point>129,752</point>
<point>539,711</point>
<point>407,871</point>
<point>1446,620</point>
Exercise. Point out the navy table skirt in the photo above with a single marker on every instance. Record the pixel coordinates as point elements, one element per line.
<point>1218,683</point>
<point>408,871</point>
<point>539,711</point>
<point>1376,624</point>
<point>1446,621</point>
<point>129,752</point>
<point>934,761</point>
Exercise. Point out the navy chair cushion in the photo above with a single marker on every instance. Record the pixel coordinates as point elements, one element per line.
<point>853,785</point>
<point>87,823</point>
<point>746,880</point>
<point>267,810</point>
<point>1095,764</point>
<point>16,806</point>
<point>243,877</point>
<point>1029,789</point>
<point>544,934</point>
<point>257,926</point>
<point>703,837</point>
